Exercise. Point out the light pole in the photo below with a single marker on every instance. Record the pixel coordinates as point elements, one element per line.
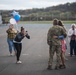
<point>37,16</point>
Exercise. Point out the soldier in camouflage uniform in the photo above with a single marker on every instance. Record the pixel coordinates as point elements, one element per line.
<point>55,43</point>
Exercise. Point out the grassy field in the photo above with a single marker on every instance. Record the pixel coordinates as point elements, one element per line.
<point>44,22</point>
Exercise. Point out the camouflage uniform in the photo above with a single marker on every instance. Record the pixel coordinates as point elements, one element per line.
<point>55,43</point>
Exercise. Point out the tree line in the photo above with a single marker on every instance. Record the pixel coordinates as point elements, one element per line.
<point>65,11</point>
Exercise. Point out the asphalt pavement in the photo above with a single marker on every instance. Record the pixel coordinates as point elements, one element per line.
<point>35,54</point>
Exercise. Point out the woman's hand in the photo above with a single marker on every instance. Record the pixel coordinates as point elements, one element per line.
<point>55,37</point>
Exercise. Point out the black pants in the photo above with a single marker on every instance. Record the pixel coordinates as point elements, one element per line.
<point>18,47</point>
<point>72,47</point>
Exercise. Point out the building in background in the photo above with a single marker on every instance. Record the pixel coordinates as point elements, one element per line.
<point>0,19</point>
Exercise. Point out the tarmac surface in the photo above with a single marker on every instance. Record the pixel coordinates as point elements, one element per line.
<point>35,54</point>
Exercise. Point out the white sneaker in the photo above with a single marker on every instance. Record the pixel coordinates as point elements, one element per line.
<point>18,62</point>
<point>11,54</point>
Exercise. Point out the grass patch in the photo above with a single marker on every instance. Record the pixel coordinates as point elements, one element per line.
<point>35,22</point>
<point>69,22</point>
<point>44,22</point>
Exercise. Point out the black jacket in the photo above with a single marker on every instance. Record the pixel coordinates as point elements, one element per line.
<point>19,37</point>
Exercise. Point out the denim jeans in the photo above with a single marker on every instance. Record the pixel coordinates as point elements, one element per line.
<point>10,44</point>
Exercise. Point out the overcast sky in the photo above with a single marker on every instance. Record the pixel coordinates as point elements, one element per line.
<point>28,4</point>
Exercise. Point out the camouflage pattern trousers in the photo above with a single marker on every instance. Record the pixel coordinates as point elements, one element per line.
<point>52,50</point>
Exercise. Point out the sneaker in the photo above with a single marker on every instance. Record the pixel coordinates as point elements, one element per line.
<point>49,67</point>
<point>18,62</point>
<point>11,54</point>
<point>57,68</point>
<point>62,66</point>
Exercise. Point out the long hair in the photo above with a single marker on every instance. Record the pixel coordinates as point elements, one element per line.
<point>60,23</point>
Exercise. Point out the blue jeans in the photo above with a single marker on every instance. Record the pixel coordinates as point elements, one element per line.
<point>11,45</point>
